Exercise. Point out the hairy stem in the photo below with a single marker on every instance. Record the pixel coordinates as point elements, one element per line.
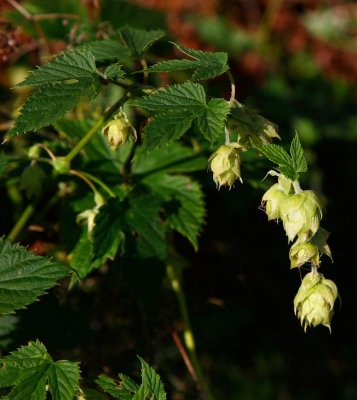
<point>88,136</point>
<point>188,337</point>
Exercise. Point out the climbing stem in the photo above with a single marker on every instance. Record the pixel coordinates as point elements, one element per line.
<point>98,182</point>
<point>92,131</point>
<point>188,336</point>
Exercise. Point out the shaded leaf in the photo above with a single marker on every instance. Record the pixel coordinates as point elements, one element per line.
<point>107,50</point>
<point>31,180</point>
<point>140,40</point>
<point>24,276</point>
<point>114,72</point>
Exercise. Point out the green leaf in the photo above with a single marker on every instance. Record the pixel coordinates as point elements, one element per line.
<point>107,50</point>
<point>32,180</point>
<point>151,382</point>
<point>184,97</point>
<point>188,217</point>
<point>166,128</point>
<point>139,40</point>
<point>123,390</point>
<point>297,155</point>
<point>108,231</point>
<point>49,103</point>
<point>212,119</point>
<point>24,276</point>
<point>114,72</point>
<point>81,257</point>
<point>172,158</point>
<point>279,156</point>
<point>63,377</point>
<point>30,368</point>
<point>177,107</point>
<point>151,387</point>
<point>142,218</point>
<point>74,64</point>
<point>205,64</point>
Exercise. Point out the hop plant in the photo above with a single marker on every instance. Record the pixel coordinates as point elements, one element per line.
<point>118,130</point>
<point>274,197</point>
<point>314,301</point>
<point>225,164</point>
<point>301,214</point>
<point>301,253</point>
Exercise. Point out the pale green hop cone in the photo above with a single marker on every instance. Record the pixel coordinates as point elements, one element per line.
<point>118,130</point>
<point>301,214</point>
<point>225,165</point>
<point>314,301</point>
<point>301,253</point>
<point>274,197</point>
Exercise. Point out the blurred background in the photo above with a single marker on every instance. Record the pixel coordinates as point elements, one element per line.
<point>295,61</point>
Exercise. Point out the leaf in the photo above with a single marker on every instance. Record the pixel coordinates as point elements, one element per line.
<point>151,381</point>
<point>114,72</point>
<point>30,368</point>
<point>188,217</point>
<point>74,64</point>
<point>123,390</point>
<point>107,50</point>
<point>108,231</point>
<point>151,387</point>
<point>177,107</point>
<point>81,257</point>
<point>211,120</point>
<point>49,103</point>
<point>320,239</point>
<point>166,128</point>
<point>63,377</point>
<point>297,155</point>
<point>24,276</point>
<point>279,156</point>
<point>3,163</point>
<point>184,97</point>
<point>142,218</point>
<point>205,64</point>
<point>32,180</point>
<point>172,158</point>
<point>139,40</point>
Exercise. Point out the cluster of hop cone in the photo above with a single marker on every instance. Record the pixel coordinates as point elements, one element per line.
<point>300,212</point>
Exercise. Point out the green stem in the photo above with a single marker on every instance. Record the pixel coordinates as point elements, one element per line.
<point>99,183</point>
<point>189,339</point>
<point>21,222</point>
<point>88,136</point>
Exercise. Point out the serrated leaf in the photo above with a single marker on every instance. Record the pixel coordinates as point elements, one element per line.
<point>151,381</point>
<point>108,231</point>
<point>297,155</point>
<point>107,50</point>
<point>172,158</point>
<point>24,276</point>
<point>140,40</point>
<point>32,180</point>
<point>166,128</point>
<point>184,97</point>
<point>63,378</point>
<point>279,156</point>
<point>188,217</point>
<point>177,107</point>
<point>74,64</point>
<point>114,72</point>
<point>206,64</point>
<point>211,120</point>
<point>123,390</point>
<point>49,103</point>
<point>30,368</point>
<point>142,218</point>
